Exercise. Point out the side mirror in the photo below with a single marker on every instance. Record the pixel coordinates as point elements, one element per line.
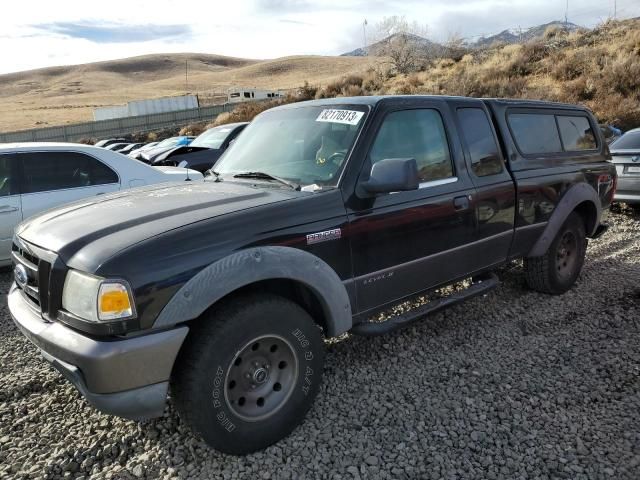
<point>393,175</point>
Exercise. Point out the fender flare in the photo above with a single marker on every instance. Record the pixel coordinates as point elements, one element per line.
<point>577,194</point>
<point>253,265</point>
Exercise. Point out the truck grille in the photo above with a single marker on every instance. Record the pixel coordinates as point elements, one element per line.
<point>37,275</point>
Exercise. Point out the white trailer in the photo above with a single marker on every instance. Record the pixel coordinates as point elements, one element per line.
<point>238,95</point>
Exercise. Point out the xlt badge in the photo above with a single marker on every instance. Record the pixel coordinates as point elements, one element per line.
<point>325,236</point>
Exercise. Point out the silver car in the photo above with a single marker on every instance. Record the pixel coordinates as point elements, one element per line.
<point>625,154</point>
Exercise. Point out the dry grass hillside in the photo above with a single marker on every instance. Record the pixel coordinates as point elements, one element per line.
<point>60,95</point>
<point>599,68</point>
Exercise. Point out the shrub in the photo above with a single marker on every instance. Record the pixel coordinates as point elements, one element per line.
<point>623,76</point>
<point>193,129</point>
<point>568,66</point>
<point>373,81</point>
<point>579,90</point>
<point>553,31</point>
<point>306,92</point>
<point>339,88</point>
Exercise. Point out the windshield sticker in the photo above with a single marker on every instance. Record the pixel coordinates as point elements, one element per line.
<point>347,117</point>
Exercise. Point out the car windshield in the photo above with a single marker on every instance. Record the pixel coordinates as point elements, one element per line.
<point>628,141</point>
<point>305,145</point>
<point>212,138</point>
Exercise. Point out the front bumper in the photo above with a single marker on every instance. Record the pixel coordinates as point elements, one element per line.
<point>127,377</point>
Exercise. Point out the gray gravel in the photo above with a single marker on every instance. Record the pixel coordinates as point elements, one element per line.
<point>514,385</point>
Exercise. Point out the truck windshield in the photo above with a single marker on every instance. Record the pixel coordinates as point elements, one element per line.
<point>306,145</point>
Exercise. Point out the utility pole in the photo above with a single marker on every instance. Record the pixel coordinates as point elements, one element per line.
<point>615,9</point>
<point>186,76</point>
<point>364,34</point>
<point>566,15</point>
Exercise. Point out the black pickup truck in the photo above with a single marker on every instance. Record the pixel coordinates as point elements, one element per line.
<point>321,215</point>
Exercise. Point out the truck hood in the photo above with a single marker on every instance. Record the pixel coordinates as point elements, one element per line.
<point>86,233</point>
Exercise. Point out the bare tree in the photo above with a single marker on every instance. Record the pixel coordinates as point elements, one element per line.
<point>455,47</point>
<point>403,42</point>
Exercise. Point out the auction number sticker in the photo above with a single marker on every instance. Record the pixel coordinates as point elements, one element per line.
<point>347,117</point>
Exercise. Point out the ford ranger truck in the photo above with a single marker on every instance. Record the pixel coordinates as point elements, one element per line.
<point>321,215</point>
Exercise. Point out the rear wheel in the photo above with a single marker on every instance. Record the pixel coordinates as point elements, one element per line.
<point>249,373</point>
<point>556,271</point>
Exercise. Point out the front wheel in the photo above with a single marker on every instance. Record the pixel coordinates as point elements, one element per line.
<point>557,270</point>
<point>249,372</point>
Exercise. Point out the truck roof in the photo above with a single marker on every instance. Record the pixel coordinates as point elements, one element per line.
<point>375,99</point>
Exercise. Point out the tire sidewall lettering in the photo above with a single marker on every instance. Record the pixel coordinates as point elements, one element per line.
<point>217,396</point>
<point>306,370</point>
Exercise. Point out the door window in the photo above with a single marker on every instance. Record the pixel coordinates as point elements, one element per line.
<point>535,133</point>
<point>478,135</point>
<point>47,171</point>
<point>5,176</point>
<point>576,133</point>
<point>418,134</point>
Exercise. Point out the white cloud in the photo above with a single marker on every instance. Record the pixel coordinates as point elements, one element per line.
<point>254,28</point>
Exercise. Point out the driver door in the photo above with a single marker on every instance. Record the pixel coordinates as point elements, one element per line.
<point>10,208</point>
<point>407,242</point>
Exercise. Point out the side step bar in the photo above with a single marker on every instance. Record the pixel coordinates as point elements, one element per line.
<point>479,286</point>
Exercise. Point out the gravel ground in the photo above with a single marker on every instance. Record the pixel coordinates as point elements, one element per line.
<point>513,385</point>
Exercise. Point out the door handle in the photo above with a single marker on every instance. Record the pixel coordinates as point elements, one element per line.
<point>7,209</point>
<point>461,203</point>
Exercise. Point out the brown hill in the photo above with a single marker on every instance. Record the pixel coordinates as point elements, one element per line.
<point>68,94</point>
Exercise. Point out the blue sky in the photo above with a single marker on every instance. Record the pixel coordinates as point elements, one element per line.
<point>40,33</point>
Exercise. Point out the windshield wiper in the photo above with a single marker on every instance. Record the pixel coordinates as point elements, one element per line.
<point>267,176</point>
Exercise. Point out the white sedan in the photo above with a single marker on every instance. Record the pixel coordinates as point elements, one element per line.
<point>38,176</point>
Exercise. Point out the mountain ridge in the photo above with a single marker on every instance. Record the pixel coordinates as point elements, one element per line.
<point>506,36</point>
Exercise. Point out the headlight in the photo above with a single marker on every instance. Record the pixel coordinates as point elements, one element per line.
<point>96,299</point>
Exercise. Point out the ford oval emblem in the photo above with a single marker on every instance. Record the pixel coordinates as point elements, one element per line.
<point>635,159</point>
<point>21,276</point>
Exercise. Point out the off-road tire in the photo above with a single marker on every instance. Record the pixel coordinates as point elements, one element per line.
<point>214,406</point>
<point>548,274</point>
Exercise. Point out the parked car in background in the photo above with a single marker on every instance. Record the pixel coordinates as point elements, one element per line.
<point>38,176</point>
<point>625,154</point>
<point>205,150</point>
<point>610,133</point>
<point>150,155</point>
<point>109,141</point>
<point>129,148</point>
<point>116,147</point>
<point>137,151</point>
